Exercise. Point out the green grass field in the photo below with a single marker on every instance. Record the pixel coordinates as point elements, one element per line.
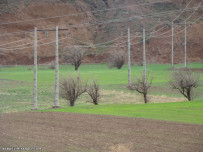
<point>16,91</point>
<point>100,72</point>
<point>189,112</point>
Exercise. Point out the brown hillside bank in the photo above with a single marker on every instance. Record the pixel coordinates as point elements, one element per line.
<point>157,49</point>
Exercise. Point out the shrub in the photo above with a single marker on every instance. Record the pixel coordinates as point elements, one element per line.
<point>51,66</point>
<point>29,68</point>
<point>72,88</point>
<point>93,91</point>
<point>140,64</point>
<point>117,60</point>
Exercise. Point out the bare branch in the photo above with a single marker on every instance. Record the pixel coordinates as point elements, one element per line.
<point>184,81</point>
<point>93,91</point>
<point>74,56</point>
<point>141,87</point>
<point>72,88</point>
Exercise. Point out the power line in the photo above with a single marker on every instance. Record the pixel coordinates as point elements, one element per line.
<point>141,41</point>
<point>23,44</point>
<point>91,44</point>
<point>98,43</point>
<point>183,21</point>
<point>178,31</point>
<point>136,43</point>
<point>176,17</point>
<point>67,15</point>
<point>13,42</point>
<point>105,21</point>
<point>33,46</point>
<point>126,19</point>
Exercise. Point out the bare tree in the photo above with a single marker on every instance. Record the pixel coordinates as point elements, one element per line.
<point>72,88</point>
<point>184,81</point>
<point>117,60</point>
<point>141,86</point>
<point>74,56</point>
<point>93,91</point>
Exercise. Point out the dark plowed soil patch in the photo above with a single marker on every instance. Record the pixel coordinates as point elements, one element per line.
<point>68,132</point>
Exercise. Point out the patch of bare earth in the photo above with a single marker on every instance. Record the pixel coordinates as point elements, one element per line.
<point>132,97</point>
<point>69,132</point>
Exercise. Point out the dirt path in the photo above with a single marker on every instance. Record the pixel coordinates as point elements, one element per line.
<point>68,132</point>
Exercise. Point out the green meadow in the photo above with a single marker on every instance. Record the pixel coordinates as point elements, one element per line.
<point>189,112</point>
<point>16,92</point>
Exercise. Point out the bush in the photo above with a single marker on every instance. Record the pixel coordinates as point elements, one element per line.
<point>117,60</point>
<point>29,68</point>
<point>51,66</point>
<point>72,88</point>
<point>184,81</point>
<point>140,64</point>
<point>93,91</point>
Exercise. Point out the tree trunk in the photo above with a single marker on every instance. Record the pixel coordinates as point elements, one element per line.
<point>72,103</point>
<point>95,102</point>
<point>189,96</point>
<point>76,67</point>
<point>145,98</point>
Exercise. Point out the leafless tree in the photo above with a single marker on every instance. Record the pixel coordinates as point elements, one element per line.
<point>117,60</point>
<point>93,91</point>
<point>74,56</point>
<point>141,86</point>
<point>184,81</point>
<point>72,88</point>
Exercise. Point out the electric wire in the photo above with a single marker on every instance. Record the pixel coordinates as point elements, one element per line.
<point>108,9</point>
<point>175,18</point>
<point>183,21</point>
<point>103,22</point>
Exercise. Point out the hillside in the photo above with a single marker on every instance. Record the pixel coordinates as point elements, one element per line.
<point>158,49</point>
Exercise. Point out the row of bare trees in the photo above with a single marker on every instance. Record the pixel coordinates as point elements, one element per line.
<point>76,55</point>
<point>73,87</point>
<point>182,80</point>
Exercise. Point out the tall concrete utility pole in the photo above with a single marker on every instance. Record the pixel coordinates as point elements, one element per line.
<point>35,71</point>
<point>185,59</point>
<point>129,63</point>
<point>56,102</point>
<point>144,57</point>
<point>172,66</point>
